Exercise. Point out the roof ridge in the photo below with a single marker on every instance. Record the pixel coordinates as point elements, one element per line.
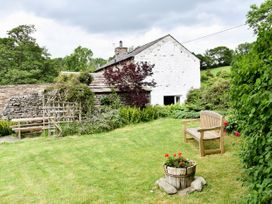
<point>158,39</point>
<point>131,54</point>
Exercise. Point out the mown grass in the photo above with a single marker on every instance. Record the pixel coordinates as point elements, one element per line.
<point>120,166</point>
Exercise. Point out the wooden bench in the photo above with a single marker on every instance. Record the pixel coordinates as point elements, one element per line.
<point>24,125</point>
<point>211,128</point>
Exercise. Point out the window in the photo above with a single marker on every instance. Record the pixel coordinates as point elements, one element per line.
<point>168,100</point>
<point>177,99</point>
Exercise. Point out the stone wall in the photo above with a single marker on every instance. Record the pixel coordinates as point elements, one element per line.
<point>26,106</point>
<point>24,101</point>
<point>9,91</point>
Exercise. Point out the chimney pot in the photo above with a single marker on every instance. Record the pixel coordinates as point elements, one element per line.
<point>120,50</point>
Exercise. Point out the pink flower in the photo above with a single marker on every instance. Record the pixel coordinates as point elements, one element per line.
<point>237,134</point>
<point>226,123</point>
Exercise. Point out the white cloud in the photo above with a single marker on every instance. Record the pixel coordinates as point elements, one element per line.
<point>60,39</point>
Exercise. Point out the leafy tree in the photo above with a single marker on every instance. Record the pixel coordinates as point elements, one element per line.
<point>131,79</point>
<point>219,56</point>
<point>205,61</point>
<point>243,48</point>
<point>22,60</point>
<point>82,60</point>
<point>216,57</point>
<point>79,60</point>
<point>97,62</point>
<point>251,93</point>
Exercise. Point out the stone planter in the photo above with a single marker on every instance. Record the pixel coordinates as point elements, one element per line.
<point>180,178</point>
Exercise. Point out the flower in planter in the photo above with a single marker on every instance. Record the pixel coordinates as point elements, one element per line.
<point>177,162</point>
<point>226,123</point>
<point>237,134</point>
<point>179,154</point>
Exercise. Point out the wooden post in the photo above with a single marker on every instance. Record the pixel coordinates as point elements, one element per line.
<point>19,132</point>
<point>221,140</point>
<point>80,112</point>
<point>201,144</point>
<point>43,111</point>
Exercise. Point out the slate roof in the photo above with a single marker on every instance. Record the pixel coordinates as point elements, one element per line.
<point>130,54</point>
<point>99,83</point>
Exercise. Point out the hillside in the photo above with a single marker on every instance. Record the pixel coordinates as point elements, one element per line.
<point>215,70</point>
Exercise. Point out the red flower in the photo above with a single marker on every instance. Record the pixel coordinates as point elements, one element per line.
<point>175,155</point>
<point>179,154</point>
<point>166,155</point>
<point>237,134</point>
<point>226,123</point>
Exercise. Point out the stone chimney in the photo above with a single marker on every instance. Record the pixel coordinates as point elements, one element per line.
<point>120,50</point>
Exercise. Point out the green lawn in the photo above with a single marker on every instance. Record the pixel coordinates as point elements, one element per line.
<point>215,70</point>
<point>120,166</point>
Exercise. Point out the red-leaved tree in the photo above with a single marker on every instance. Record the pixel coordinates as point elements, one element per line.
<point>130,79</point>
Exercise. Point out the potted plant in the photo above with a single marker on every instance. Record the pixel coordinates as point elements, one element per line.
<point>179,171</point>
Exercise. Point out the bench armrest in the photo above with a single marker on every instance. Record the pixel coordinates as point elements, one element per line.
<point>209,129</point>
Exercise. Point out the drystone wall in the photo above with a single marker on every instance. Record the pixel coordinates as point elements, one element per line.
<point>9,91</point>
<point>26,106</point>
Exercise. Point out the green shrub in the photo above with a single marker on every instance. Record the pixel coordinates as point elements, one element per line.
<point>112,100</point>
<point>217,95</point>
<point>70,128</point>
<point>209,74</point>
<point>204,77</point>
<point>85,78</point>
<point>178,111</point>
<point>212,97</point>
<point>251,94</point>
<point>186,114</point>
<point>223,74</point>
<point>74,88</point>
<point>100,121</point>
<point>232,125</point>
<point>105,118</point>
<point>149,113</point>
<point>130,115</point>
<point>5,127</point>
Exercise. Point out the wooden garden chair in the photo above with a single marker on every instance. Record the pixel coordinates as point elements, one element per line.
<point>211,128</point>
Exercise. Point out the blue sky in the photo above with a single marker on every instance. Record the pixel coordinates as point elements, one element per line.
<point>99,24</point>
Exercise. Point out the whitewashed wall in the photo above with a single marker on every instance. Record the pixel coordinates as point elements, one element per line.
<point>176,70</point>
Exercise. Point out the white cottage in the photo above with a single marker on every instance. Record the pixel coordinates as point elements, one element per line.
<point>176,69</point>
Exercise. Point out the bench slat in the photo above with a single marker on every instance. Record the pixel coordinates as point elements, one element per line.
<point>27,129</point>
<point>211,135</point>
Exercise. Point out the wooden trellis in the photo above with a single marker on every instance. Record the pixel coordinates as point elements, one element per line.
<point>58,111</point>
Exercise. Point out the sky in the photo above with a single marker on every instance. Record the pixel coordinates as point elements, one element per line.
<point>62,25</point>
